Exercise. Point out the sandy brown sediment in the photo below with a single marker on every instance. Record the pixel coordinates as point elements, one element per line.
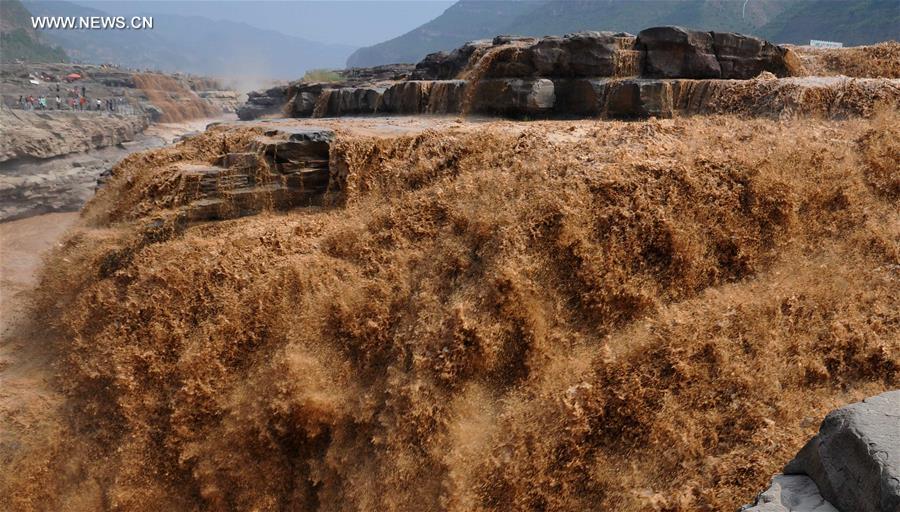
<point>31,419</point>
<point>495,316</point>
<point>873,61</point>
<point>177,101</point>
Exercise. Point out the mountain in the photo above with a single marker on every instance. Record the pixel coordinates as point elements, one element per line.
<point>192,44</point>
<point>19,41</point>
<point>463,21</point>
<point>853,22</point>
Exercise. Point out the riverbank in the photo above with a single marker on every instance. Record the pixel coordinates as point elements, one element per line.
<point>34,186</point>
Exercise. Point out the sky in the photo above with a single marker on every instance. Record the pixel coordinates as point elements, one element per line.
<point>351,22</point>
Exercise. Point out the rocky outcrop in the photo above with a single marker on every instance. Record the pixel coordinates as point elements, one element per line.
<point>790,493</point>
<point>675,52</point>
<point>224,101</point>
<point>628,98</point>
<point>406,98</point>
<point>348,101</point>
<point>514,97</point>
<point>303,97</point>
<point>446,96</point>
<point>388,72</point>
<point>578,55</point>
<point>587,73</point>
<point>265,103</point>
<point>851,465</point>
<point>60,184</point>
<point>448,65</point>
<point>49,134</point>
<point>855,458</point>
<point>281,169</point>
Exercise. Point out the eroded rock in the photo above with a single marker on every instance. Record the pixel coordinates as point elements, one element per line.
<point>675,52</point>
<point>855,457</point>
<point>448,65</point>
<point>283,168</point>
<point>349,100</point>
<point>259,104</point>
<point>514,97</point>
<point>577,55</point>
<point>586,73</point>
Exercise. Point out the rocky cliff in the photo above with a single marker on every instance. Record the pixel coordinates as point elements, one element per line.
<point>163,97</point>
<point>42,134</point>
<point>660,72</point>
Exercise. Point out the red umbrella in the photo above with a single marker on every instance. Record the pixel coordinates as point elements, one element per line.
<point>73,76</point>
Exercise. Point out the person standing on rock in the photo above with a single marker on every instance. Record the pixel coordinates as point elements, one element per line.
<point>58,102</point>
<point>98,104</point>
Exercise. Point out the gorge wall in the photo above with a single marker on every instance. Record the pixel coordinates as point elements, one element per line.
<point>660,72</point>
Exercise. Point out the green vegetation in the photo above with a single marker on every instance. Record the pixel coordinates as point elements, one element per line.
<point>18,45</point>
<point>18,41</point>
<point>321,75</point>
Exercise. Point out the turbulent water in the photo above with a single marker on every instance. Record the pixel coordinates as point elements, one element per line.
<point>178,102</point>
<point>500,316</point>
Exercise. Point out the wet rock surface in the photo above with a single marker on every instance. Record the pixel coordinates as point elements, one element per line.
<point>581,54</point>
<point>263,103</point>
<point>675,52</point>
<point>662,72</point>
<point>790,493</point>
<point>387,72</point>
<point>855,458</point>
<point>514,96</point>
<point>283,168</point>
<point>448,65</point>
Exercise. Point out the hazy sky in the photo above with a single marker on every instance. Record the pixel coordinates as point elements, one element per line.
<point>352,22</point>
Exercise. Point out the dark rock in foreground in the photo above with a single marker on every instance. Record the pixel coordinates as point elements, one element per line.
<point>855,458</point>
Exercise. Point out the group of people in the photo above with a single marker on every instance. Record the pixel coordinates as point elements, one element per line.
<point>74,101</point>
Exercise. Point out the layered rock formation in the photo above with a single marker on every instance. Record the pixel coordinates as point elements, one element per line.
<point>281,169</point>
<point>48,134</point>
<point>674,52</point>
<point>659,72</point>
<point>263,103</point>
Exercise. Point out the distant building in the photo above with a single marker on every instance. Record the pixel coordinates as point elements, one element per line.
<point>815,43</point>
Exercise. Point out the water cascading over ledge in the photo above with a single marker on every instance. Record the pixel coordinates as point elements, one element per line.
<point>175,101</point>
